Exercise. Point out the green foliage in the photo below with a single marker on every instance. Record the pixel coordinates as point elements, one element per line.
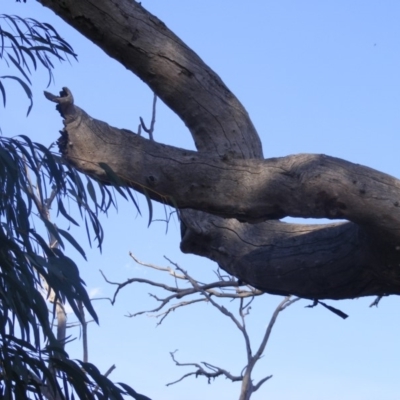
<point>33,363</point>
<point>25,43</point>
<point>29,350</point>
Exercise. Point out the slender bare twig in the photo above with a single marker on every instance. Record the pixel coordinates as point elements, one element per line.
<point>84,332</point>
<point>248,388</point>
<point>97,387</point>
<point>225,287</point>
<point>222,288</point>
<point>376,301</point>
<point>165,314</point>
<point>43,208</point>
<point>111,369</point>
<point>214,372</point>
<point>286,302</point>
<point>142,125</point>
<point>171,271</point>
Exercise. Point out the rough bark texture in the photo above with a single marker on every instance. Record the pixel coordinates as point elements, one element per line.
<point>230,197</point>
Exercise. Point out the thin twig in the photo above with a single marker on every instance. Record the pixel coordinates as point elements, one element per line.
<point>142,125</point>
<point>225,287</point>
<point>111,369</point>
<point>201,371</point>
<point>84,332</point>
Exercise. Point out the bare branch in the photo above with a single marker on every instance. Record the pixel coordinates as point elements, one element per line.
<point>166,313</point>
<point>84,332</point>
<point>201,371</point>
<point>376,302</point>
<point>156,267</point>
<point>152,123</point>
<point>286,302</point>
<point>218,288</point>
<point>111,369</point>
<point>261,382</point>
<point>221,308</point>
<point>43,209</point>
<point>225,287</point>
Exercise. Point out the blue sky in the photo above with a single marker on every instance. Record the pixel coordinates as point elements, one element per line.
<point>316,77</point>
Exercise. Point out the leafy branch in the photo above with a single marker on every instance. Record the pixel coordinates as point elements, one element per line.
<point>29,263</point>
<point>26,43</point>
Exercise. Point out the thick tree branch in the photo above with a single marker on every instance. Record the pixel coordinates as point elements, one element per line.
<point>304,185</point>
<point>328,261</point>
<point>228,178</point>
<point>312,261</point>
<point>176,74</point>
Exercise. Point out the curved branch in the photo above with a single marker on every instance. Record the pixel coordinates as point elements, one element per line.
<point>144,45</point>
<point>214,372</point>
<point>328,261</point>
<point>335,261</point>
<point>303,185</point>
<point>227,177</point>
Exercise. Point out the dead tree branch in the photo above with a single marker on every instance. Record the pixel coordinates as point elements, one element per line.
<point>214,372</point>
<point>225,287</point>
<point>142,125</point>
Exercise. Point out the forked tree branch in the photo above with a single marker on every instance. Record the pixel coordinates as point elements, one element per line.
<point>341,260</point>
<point>226,287</point>
<point>142,125</point>
<point>228,178</point>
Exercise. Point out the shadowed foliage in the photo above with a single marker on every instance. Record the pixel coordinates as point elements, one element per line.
<point>33,265</point>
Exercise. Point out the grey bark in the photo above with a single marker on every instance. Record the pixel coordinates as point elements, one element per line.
<point>229,196</point>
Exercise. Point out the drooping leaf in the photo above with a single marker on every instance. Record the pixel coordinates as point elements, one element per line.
<point>150,205</point>
<point>24,86</point>
<point>71,239</point>
<point>113,177</point>
<point>3,93</point>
